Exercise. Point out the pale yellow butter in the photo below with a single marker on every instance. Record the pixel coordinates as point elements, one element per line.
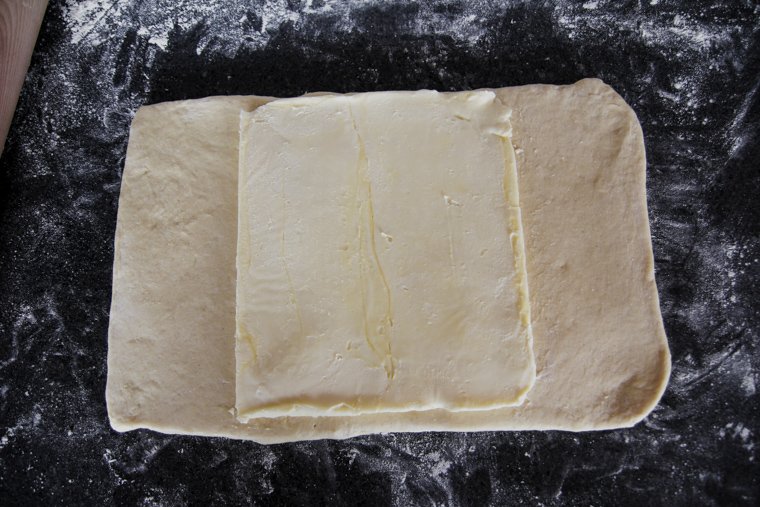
<point>380,263</point>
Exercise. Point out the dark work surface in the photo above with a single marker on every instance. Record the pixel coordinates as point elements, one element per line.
<point>691,73</point>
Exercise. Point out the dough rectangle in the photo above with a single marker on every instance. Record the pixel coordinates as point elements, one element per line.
<point>602,359</point>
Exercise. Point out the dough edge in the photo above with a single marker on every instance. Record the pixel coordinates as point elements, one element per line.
<point>131,406</point>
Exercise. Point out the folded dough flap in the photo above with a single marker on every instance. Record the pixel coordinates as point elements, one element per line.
<point>380,259</point>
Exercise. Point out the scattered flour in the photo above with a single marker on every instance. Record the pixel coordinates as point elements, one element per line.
<point>252,24</point>
<point>741,433</point>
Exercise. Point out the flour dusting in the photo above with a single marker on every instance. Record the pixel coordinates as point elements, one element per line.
<point>252,25</point>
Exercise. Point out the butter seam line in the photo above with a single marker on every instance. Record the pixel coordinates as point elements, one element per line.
<point>242,216</point>
<point>363,162</point>
<point>512,195</point>
<point>389,312</point>
<point>291,289</point>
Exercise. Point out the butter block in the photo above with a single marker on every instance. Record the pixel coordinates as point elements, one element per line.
<point>380,260</point>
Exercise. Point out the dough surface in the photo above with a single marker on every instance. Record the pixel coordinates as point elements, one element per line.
<point>380,264</point>
<point>601,355</point>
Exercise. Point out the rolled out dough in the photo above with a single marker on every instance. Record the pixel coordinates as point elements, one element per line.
<point>602,358</point>
<point>380,262</point>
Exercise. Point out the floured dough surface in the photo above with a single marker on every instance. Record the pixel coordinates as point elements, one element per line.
<point>380,264</point>
<point>601,356</point>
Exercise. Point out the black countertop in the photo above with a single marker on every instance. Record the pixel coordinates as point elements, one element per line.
<point>691,73</point>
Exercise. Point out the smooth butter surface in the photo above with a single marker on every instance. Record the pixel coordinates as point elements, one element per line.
<point>380,263</point>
